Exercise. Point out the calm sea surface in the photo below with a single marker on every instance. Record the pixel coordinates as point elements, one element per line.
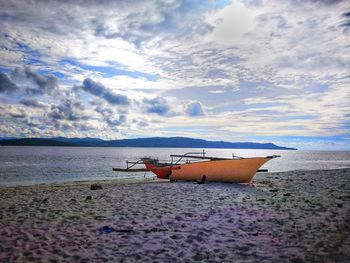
<point>23,165</point>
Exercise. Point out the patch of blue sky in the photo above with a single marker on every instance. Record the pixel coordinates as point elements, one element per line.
<point>202,94</point>
<point>335,138</point>
<point>34,61</point>
<point>320,88</point>
<point>196,130</point>
<point>31,56</point>
<point>200,5</point>
<point>345,126</point>
<point>297,117</point>
<point>26,49</point>
<point>187,128</point>
<point>11,98</point>
<point>193,6</point>
<point>341,127</point>
<point>219,4</point>
<point>5,70</point>
<point>109,71</point>
<point>260,88</point>
<point>55,73</point>
<point>259,111</point>
<point>229,98</point>
<point>292,127</point>
<point>257,108</point>
<point>318,143</point>
<point>261,105</point>
<point>85,97</point>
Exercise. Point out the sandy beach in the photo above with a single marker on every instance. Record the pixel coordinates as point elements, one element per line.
<point>300,216</point>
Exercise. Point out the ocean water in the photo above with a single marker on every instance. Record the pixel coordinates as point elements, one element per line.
<point>25,165</point>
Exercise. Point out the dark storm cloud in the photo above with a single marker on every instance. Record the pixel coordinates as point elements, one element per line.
<point>116,99</point>
<point>67,110</point>
<point>48,81</point>
<point>32,103</point>
<point>93,87</point>
<point>116,121</point>
<point>101,91</point>
<point>6,85</point>
<point>110,116</point>
<point>157,105</point>
<point>122,118</point>
<point>103,110</point>
<point>142,124</point>
<point>43,83</point>
<point>345,25</point>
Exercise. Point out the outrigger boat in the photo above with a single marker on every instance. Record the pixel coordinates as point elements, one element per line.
<point>194,166</point>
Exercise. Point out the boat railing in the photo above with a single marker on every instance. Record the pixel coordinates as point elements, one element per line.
<point>130,164</point>
<point>190,157</point>
<point>198,155</point>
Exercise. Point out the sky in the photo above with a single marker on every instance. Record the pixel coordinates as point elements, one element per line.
<point>255,70</point>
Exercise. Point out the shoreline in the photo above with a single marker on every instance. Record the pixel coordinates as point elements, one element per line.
<point>298,216</point>
<point>139,179</point>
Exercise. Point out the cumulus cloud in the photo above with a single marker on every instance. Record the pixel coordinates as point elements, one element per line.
<point>99,90</point>
<point>17,113</point>
<point>109,115</point>
<point>113,121</point>
<point>142,21</point>
<point>194,109</point>
<point>41,84</point>
<point>12,111</point>
<point>93,87</point>
<point>157,105</point>
<point>67,110</point>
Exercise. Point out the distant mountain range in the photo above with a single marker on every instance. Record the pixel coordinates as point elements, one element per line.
<point>169,142</point>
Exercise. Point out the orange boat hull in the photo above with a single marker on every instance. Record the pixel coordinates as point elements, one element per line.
<point>236,170</point>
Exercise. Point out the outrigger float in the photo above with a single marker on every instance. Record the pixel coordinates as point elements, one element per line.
<point>194,166</point>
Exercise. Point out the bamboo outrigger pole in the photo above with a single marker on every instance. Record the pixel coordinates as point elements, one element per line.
<point>146,169</point>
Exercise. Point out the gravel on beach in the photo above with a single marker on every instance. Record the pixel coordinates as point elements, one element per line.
<point>298,216</point>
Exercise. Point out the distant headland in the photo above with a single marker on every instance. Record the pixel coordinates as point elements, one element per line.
<point>161,142</point>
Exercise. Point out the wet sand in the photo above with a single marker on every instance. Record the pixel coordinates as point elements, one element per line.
<point>300,216</point>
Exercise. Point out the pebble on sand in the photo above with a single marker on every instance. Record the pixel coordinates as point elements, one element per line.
<point>96,187</point>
